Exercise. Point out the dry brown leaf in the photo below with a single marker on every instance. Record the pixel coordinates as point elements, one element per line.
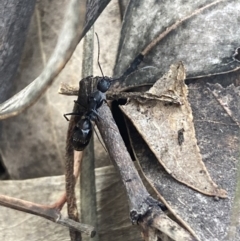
<point>169,132</point>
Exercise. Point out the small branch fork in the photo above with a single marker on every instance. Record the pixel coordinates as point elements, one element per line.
<point>50,212</point>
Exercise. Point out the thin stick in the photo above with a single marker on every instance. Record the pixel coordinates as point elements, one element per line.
<point>69,175</point>
<point>66,89</point>
<point>70,183</point>
<point>99,139</point>
<point>78,156</point>
<point>88,203</point>
<point>45,211</point>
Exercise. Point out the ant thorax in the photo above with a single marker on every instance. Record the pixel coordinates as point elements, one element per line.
<point>95,100</point>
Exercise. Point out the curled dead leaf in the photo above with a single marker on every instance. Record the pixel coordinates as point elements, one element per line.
<point>159,123</point>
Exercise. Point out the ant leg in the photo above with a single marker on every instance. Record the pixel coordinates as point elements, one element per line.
<point>100,139</point>
<point>76,102</point>
<point>105,101</point>
<point>98,116</point>
<point>73,113</point>
<point>65,115</point>
<point>133,66</point>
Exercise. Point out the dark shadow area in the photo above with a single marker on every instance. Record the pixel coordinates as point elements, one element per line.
<point>3,172</point>
<point>119,119</point>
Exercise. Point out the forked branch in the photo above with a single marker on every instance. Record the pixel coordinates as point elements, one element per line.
<point>49,212</point>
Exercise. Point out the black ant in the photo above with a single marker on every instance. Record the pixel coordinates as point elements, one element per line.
<point>82,131</point>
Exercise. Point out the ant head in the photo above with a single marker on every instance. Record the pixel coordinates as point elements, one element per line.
<point>104,84</point>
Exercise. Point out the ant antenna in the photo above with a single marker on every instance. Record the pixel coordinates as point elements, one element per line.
<point>98,58</point>
<point>99,54</point>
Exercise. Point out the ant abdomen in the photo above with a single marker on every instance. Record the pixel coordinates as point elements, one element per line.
<point>82,134</point>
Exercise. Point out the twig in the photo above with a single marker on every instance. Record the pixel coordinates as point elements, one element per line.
<point>143,208</point>
<point>70,183</point>
<point>45,211</point>
<point>162,223</point>
<point>69,177</point>
<point>87,178</point>
<point>77,163</point>
<point>139,198</point>
<point>66,89</point>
